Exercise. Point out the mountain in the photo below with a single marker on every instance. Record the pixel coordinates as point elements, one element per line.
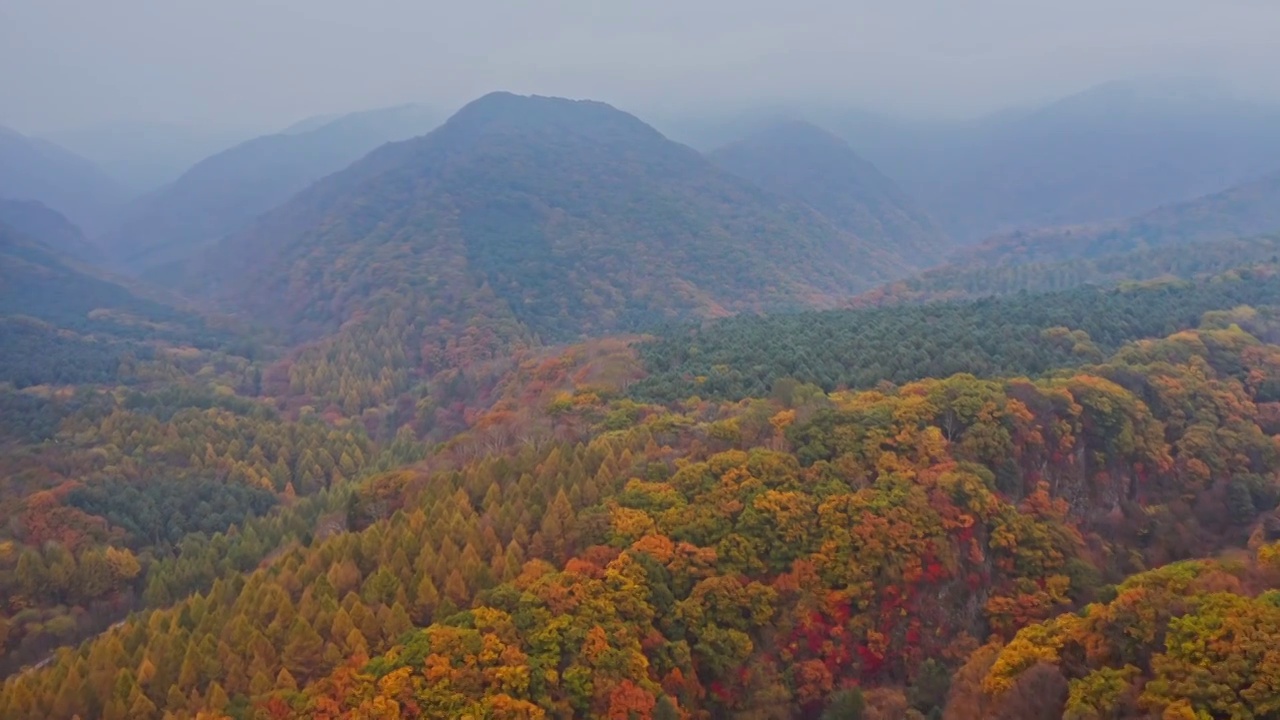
<point>805,163</point>
<point>1109,152</point>
<point>568,217</point>
<point>1208,235</point>
<point>143,156</point>
<point>34,169</point>
<point>224,193</point>
<point>34,219</point>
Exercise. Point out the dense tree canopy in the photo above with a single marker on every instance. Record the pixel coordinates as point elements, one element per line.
<point>1019,335</point>
<point>797,555</point>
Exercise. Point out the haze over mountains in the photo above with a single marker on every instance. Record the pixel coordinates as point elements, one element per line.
<point>34,169</point>
<point>35,220</point>
<point>143,156</point>
<point>544,216</point>
<point>1109,152</point>
<point>800,161</point>
<point>222,193</point>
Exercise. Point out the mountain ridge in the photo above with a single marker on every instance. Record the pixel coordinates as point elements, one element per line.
<point>224,192</point>
<point>802,161</point>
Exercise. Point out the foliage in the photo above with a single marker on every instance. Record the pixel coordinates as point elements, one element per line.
<point>1194,639</point>
<point>151,475</point>
<point>763,556</point>
<point>1019,335</point>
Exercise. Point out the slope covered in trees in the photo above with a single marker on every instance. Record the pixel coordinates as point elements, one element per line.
<point>421,271</point>
<point>807,164</point>
<point>1189,640</point>
<point>774,558</point>
<point>63,323</point>
<point>103,491</point>
<point>223,193</point>
<point>1023,334</point>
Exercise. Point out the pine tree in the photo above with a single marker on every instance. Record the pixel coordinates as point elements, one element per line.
<point>217,699</point>
<point>303,649</point>
<point>455,589</point>
<point>260,684</point>
<point>174,701</point>
<point>285,681</point>
<point>142,708</point>
<point>425,600</point>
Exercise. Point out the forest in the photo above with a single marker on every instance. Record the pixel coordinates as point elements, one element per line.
<point>541,414</point>
<point>908,550</point>
<point>1026,334</point>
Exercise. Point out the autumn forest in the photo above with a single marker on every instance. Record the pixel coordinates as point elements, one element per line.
<point>541,414</point>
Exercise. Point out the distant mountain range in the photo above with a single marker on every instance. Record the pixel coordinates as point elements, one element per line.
<point>567,217</point>
<point>1209,234</point>
<point>1110,152</point>
<point>225,192</point>
<point>800,161</point>
<point>143,156</point>
<point>34,169</point>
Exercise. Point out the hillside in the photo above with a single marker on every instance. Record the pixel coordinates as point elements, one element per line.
<point>225,192</point>
<point>1206,235</point>
<point>802,162</point>
<point>62,322</point>
<point>796,555</point>
<point>1023,334</point>
<point>36,220</point>
<point>33,169</point>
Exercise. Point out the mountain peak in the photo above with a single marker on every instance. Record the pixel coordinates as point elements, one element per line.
<point>503,109</point>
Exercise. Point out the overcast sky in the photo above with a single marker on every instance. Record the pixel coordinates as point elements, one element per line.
<point>265,63</point>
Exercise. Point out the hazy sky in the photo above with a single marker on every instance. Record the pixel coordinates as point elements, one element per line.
<point>265,63</point>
